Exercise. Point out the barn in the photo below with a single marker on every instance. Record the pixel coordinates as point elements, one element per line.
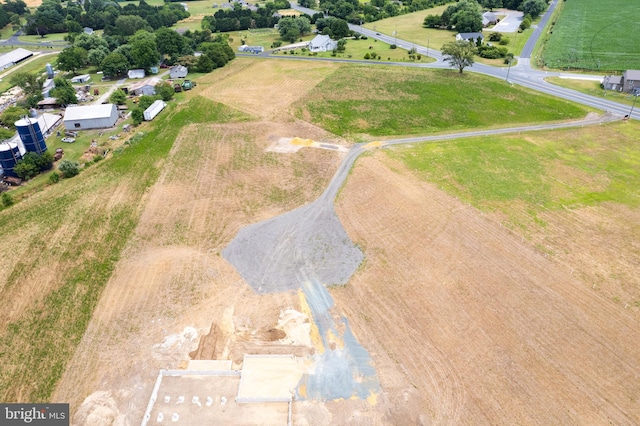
<point>90,117</point>
<point>17,55</point>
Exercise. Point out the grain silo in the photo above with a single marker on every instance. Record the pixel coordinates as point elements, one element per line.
<point>31,135</point>
<point>9,156</point>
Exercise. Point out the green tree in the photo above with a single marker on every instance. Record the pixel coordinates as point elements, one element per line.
<point>90,41</point>
<point>7,199</point>
<point>114,64</point>
<point>32,163</point>
<point>118,97</point>
<point>204,63</point>
<point>96,56</point>
<point>146,101</point>
<point>467,21</point>
<point>533,8</point>
<point>144,50</point>
<point>11,115</point>
<point>339,28</point>
<point>30,84</point>
<point>170,43</point>
<point>6,134</point>
<point>137,115</point>
<point>459,54</point>
<point>71,59</point>
<point>64,91</point>
<point>128,25</point>
<point>69,168</point>
<point>165,91</point>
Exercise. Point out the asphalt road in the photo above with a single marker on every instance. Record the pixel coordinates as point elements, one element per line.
<point>521,74</point>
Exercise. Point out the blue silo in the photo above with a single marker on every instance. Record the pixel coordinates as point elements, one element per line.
<point>31,135</point>
<point>9,156</point>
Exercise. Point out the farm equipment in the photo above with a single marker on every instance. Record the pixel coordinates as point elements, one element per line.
<point>187,85</point>
<point>177,88</point>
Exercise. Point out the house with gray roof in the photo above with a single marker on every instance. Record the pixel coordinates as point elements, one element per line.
<point>470,37</point>
<point>631,81</point>
<point>612,82</point>
<point>322,43</point>
<point>489,18</point>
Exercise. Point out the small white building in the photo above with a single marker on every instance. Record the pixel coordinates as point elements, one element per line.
<point>90,117</point>
<point>81,78</point>
<point>179,71</point>
<point>145,87</point>
<point>153,110</point>
<point>322,43</point>
<point>139,73</point>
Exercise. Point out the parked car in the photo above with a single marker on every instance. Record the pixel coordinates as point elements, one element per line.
<point>68,140</point>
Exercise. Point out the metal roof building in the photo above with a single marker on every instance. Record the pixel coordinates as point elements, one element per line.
<point>9,59</point>
<point>90,117</point>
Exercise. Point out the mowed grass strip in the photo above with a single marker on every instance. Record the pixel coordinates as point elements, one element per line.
<point>78,229</point>
<point>384,101</point>
<point>532,173</point>
<point>595,35</point>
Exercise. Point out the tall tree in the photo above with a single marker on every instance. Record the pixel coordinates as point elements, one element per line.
<point>144,50</point>
<point>72,58</point>
<point>64,92</point>
<point>114,64</point>
<point>459,54</point>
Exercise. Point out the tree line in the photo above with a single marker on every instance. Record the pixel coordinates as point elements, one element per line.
<point>53,16</point>
<point>355,12</point>
<point>237,19</point>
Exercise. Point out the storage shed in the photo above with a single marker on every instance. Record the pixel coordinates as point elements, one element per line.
<point>136,73</point>
<point>154,110</point>
<point>81,78</point>
<point>179,71</point>
<point>15,56</point>
<point>90,117</point>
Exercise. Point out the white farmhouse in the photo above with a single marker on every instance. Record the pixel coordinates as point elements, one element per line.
<point>322,43</point>
<point>90,117</point>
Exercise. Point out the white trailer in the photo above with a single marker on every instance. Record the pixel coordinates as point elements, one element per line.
<point>154,110</point>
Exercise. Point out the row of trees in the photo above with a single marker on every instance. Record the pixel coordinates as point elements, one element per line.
<point>54,16</point>
<point>236,19</point>
<point>355,12</point>
<point>145,49</point>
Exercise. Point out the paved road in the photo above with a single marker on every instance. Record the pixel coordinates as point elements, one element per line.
<point>521,74</point>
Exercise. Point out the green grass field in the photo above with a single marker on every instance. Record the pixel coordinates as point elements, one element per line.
<point>413,101</point>
<point>37,346</point>
<point>540,171</point>
<point>595,35</point>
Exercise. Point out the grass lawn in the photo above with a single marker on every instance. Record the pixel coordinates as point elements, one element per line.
<point>526,175</point>
<point>418,101</point>
<point>592,88</point>
<point>595,35</point>
<point>35,65</point>
<point>409,27</point>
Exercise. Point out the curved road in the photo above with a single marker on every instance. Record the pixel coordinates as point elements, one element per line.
<point>521,74</point>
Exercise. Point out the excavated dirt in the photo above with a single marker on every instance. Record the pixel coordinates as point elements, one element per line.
<point>464,321</point>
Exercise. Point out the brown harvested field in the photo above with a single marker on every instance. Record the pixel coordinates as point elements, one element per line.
<point>466,321</point>
<point>468,324</point>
